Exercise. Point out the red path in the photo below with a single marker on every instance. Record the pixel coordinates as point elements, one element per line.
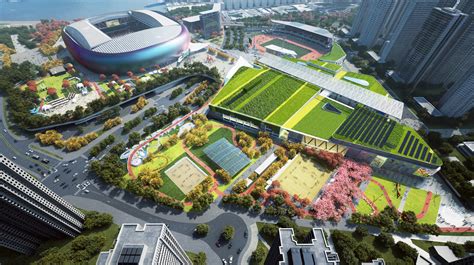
<point>97,89</point>
<point>426,206</point>
<point>385,193</point>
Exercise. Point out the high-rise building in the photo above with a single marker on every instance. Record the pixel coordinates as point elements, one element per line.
<point>406,22</point>
<point>460,97</point>
<point>208,22</point>
<point>436,37</point>
<point>370,21</point>
<point>314,249</point>
<point>453,64</point>
<point>30,213</point>
<point>151,244</point>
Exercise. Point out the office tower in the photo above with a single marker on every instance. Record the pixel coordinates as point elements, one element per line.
<point>407,22</point>
<point>30,213</point>
<point>453,64</point>
<point>151,244</point>
<point>459,99</point>
<point>436,37</point>
<point>315,249</point>
<point>370,20</point>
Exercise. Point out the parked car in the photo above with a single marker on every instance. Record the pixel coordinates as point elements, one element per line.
<point>36,157</point>
<point>44,160</point>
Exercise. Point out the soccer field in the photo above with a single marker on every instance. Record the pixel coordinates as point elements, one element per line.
<point>300,51</point>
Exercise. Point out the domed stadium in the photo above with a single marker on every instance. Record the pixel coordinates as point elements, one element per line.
<point>123,41</point>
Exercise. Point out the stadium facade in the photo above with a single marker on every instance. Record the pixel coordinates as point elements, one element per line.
<point>306,34</point>
<point>123,41</point>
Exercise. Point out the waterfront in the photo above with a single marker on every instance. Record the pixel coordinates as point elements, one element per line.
<point>32,10</point>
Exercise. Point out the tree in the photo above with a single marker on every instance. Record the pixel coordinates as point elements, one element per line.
<point>223,176</point>
<point>406,250</point>
<point>83,248</point>
<point>457,249</point>
<point>240,186</point>
<point>445,148</point>
<point>269,230</point>
<point>361,231</point>
<point>228,232</point>
<point>95,219</point>
<point>199,259</point>
<point>102,77</point>
<point>365,252</point>
<point>202,229</point>
<point>66,83</point>
<point>385,239</point>
<point>258,255</point>
<point>134,138</point>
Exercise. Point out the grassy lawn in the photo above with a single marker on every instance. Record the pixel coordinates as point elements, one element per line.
<point>327,65</point>
<point>363,207</point>
<point>56,82</point>
<point>239,79</point>
<point>374,85</point>
<point>415,200</point>
<point>375,194</point>
<point>292,105</point>
<point>9,257</point>
<point>425,245</point>
<point>300,51</point>
<point>335,54</point>
<point>322,123</point>
<point>432,214</point>
<point>390,255</point>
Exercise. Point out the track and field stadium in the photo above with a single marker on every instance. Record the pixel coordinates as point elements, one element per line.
<point>123,41</point>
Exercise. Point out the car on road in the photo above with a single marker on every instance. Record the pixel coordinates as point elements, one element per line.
<point>65,186</point>
<point>239,251</point>
<point>75,174</point>
<point>29,150</point>
<point>56,180</point>
<point>65,165</point>
<point>14,157</point>
<point>229,246</point>
<point>36,157</point>
<point>26,153</point>
<point>74,179</point>
<point>86,191</point>
<point>218,244</point>
<point>68,171</point>
<point>224,261</point>
<point>73,161</point>
<point>5,130</point>
<point>246,235</point>
<point>44,160</point>
<point>230,259</point>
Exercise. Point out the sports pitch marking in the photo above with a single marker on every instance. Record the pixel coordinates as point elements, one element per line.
<point>185,174</point>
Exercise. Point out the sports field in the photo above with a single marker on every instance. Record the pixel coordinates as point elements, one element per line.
<point>304,177</point>
<point>185,174</point>
<point>300,51</point>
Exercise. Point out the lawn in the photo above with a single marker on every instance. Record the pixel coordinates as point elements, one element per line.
<point>327,65</point>
<point>304,177</point>
<point>374,85</point>
<point>335,54</point>
<point>241,77</point>
<point>272,97</point>
<point>425,245</point>
<point>9,257</point>
<point>390,255</point>
<point>213,137</point>
<point>322,123</point>
<point>292,105</point>
<point>56,82</point>
<point>415,200</point>
<point>375,194</point>
<point>364,207</point>
<point>415,203</point>
<point>300,51</point>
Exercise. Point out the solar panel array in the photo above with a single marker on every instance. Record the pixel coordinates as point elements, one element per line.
<point>367,127</point>
<point>413,146</point>
<point>130,255</point>
<point>227,156</point>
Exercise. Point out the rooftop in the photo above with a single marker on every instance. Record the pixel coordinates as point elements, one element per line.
<point>305,27</point>
<point>373,100</point>
<point>315,252</point>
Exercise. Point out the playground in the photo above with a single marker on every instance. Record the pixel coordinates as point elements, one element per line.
<point>185,174</point>
<point>304,177</point>
<point>306,53</point>
<point>381,192</point>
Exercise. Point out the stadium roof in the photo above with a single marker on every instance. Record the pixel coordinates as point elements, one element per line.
<point>305,27</point>
<point>371,99</point>
<point>281,50</point>
<point>227,156</point>
<point>161,29</point>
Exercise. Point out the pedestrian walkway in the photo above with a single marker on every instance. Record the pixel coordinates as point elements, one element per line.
<point>404,199</point>
<point>253,236</point>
